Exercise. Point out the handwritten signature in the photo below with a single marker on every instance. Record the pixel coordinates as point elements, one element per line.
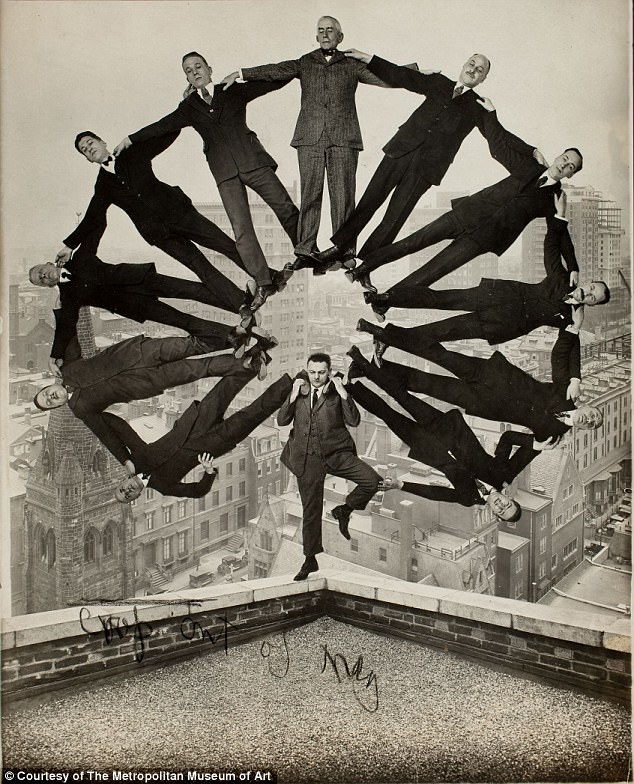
<point>365,687</point>
<point>116,628</point>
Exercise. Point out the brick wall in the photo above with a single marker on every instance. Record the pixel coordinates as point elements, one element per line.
<point>65,647</point>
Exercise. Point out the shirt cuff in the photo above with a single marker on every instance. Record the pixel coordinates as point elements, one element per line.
<point>571,328</point>
<point>561,218</point>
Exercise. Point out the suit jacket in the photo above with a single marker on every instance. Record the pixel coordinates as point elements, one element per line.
<point>150,204</point>
<point>98,382</point>
<point>468,460</point>
<point>230,146</point>
<point>168,459</point>
<point>509,308</point>
<point>505,393</point>
<point>113,287</point>
<point>331,416</point>
<point>495,216</point>
<point>439,125</point>
<point>327,97</point>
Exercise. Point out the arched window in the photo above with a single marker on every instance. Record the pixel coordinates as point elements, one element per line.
<point>89,547</point>
<point>99,462</point>
<point>107,541</point>
<point>51,550</point>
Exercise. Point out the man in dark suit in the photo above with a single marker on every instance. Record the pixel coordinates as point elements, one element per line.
<point>500,309</point>
<point>236,159</point>
<point>444,441</point>
<point>319,444</point>
<point>327,134</point>
<point>133,369</point>
<point>489,220</point>
<point>131,290</point>
<point>418,156</point>
<point>198,435</point>
<point>495,389</point>
<point>163,215</point>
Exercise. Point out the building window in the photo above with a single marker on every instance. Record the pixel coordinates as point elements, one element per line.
<point>51,554</point>
<point>242,516</point>
<point>242,464</point>
<point>260,569</point>
<point>519,563</point>
<point>542,570</point>
<point>215,498</point>
<point>354,545</point>
<point>107,541</point>
<point>182,543</point>
<point>224,523</point>
<point>182,509</point>
<point>149,520</point>
<point>167,549</point>
<point>242,489</point>
<point>266,540</point>
<point>553,561</point>
<point>89,548</point>
<point>167,515</point>
<point>570,548</point>
<point>542,545</point>
<point>202,504</point>
<point>518,591</point>
<point>382,554</point>
<point>149,494</point>
<point>204,530</point>
<point>229,469</point>
<point>229,493</point>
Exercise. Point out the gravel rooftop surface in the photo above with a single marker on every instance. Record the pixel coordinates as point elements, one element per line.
<point>268,706</point>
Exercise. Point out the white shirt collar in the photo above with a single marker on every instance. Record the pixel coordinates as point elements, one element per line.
<point>549,179</point>
<point>210,89</point>
<point>110,166</point>
<point>464,87</point>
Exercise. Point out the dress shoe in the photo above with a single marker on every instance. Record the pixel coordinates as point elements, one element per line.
<point>256,359</point>
<point>280,278</point>
<point>373,329</point>
<point>379,350</point>
<point>248,318</point>
<point>237,338</point>
<point>262,293</point>
<point>359,276</point>
<point>341,514</point>
<point>330,255</point>
<point>355,371</point>
<point>303,261</point>
<point>265,340</point>
<point>309,565</point>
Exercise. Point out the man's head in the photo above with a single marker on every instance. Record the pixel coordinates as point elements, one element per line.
<point>565,165</point>
<point>318,368</point>
<point>586,417</point>
<point>197,71</point>
<point>329,34</point>
<point>503,507</point>
<point>52,396</point>
<point>595,293</point>
<point>45,275</point>
<point>475,70</point>
<point>91,147</point>
<point>129,489</point>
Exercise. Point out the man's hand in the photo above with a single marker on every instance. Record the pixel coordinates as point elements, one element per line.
<point>337,382</point>
<point>206,460</point>
<point>54,366</point>
<point>123,145</point>
<point>573,392</point>
<point>561,200</point>
<point>390,483</point>
<point>63,256</point>
<point>297,387</point>
<point>577,317</point>
<point>486,103</point>
<point>355,54</point>
<point>574,277</point>
<point>129,467</point>
<point>541,446</point>
<point>229,80</point>
<point>540,158</point>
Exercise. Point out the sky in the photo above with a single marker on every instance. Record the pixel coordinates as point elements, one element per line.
<point>559,77</point>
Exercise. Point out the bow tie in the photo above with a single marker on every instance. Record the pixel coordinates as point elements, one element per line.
<point>64,275</point>
<point>542,181</point>
<point>108,161</point>
<point>329,54</point>
<point>145,477</point>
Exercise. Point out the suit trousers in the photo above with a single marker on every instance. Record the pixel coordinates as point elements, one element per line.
<point>193,227</point>
<point>393,174</point>
<point>155,286</point>
<point>340,164</point>
<point>462,327</point>
<point>233,193</point>
<point>152,381</point>
<point>218,437</point>
<point>455,255</point>
<point>311,492</point>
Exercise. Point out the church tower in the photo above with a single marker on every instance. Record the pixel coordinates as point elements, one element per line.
<point>79,537</point>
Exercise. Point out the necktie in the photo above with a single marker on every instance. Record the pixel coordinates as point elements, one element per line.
<point>315,397</point>
<point>457,90</point>
<point>205,94</point>
<point>481,487</point>
<point>541,181</point>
